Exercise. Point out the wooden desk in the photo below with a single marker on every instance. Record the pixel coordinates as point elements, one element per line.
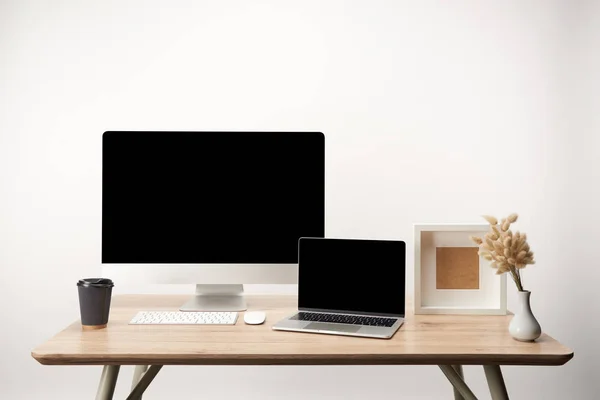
<point>447,341</point>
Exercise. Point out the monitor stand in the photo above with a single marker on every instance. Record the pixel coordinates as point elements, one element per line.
<point>217,298</point>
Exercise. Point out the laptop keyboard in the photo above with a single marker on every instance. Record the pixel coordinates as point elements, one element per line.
<point>344,319</point>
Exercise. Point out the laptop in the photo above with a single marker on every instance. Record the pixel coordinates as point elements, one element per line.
<point>349,287</point>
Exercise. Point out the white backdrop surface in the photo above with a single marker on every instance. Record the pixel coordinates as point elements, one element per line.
<point>433,112</point>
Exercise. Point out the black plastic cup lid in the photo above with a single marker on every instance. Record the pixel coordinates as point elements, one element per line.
<point>95,282</point>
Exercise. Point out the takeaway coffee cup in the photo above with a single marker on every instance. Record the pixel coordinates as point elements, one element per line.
<point>94,302</point>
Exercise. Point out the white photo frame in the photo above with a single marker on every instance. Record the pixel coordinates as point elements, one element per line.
<point>490,296</point>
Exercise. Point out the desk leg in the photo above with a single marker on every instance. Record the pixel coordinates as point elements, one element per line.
<point>493,374</point>
<point>458,382</point>
<point>137,375</point>
<point>108,381</point>
<point>145,380</point>
<point>459,371</point>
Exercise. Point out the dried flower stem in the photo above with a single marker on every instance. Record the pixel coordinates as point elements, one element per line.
<point>515,274</point>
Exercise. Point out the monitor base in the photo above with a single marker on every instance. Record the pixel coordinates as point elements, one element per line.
<point>216,298</point>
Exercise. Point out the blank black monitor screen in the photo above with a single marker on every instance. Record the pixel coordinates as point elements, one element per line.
<point>211,197</point>
<point>358,276</point>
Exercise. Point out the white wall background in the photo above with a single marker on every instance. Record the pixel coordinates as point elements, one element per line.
<point>433,112</point>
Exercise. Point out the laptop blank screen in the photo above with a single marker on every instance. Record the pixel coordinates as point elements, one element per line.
<point>360,276</point>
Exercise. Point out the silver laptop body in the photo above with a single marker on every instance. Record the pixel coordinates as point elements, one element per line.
<point>293,323</point>
<point>340,279</point>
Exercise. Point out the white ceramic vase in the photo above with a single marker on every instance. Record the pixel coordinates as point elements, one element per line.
<point>523,326</point>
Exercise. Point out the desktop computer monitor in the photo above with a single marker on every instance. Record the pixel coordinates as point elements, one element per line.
<point>215,209</point>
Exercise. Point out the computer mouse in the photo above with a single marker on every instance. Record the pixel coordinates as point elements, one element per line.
<point>254,317</point>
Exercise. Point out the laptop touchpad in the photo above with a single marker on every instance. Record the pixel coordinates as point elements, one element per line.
<point>323,326</point>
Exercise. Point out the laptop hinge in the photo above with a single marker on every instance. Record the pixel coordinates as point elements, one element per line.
<point>319,310</point>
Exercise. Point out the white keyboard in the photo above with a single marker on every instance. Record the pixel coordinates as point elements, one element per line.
<point>184,318</point>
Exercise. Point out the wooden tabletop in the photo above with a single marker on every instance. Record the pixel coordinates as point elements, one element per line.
<point>423,339</point>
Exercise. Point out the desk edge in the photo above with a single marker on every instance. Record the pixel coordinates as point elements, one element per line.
<point>304,359</point>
